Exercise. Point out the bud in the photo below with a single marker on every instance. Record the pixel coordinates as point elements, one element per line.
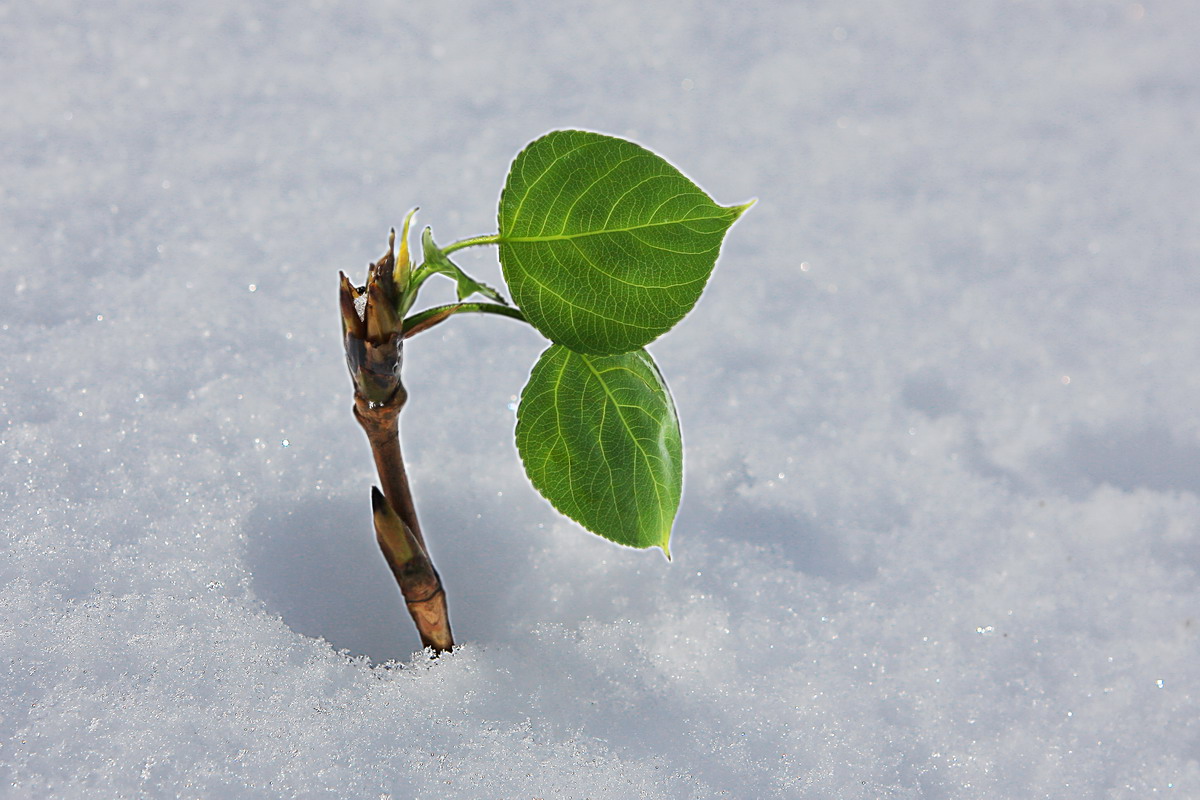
<point>414,573</point>
<point>397,544</point>
<point>403,269</point>
<point>372,325</point>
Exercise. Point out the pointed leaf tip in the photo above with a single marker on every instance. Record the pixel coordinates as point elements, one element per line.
<point>744,207</point>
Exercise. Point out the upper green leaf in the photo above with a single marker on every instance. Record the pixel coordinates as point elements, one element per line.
<point>600,440</point>
<point>605,245</point>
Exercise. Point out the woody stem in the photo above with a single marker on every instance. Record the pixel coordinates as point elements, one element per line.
<point>397,528</point>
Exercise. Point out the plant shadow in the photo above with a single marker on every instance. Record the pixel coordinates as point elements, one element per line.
<point>797,539</point>
<point>315,563</point>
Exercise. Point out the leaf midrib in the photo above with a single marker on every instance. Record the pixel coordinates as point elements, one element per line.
<point>567,236</point>
<point>637,443</point>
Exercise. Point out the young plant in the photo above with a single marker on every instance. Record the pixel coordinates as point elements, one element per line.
<point>604,246</point>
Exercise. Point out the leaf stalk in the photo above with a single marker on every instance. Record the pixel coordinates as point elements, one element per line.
<point>474,241</point>
<point>426,319</point>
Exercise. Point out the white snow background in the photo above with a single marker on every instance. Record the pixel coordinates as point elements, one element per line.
<point>941,527</point>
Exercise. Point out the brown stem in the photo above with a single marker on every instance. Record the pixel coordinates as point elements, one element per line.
<point>382,426</point>
<point>414,572</point>
<point>396,525</point>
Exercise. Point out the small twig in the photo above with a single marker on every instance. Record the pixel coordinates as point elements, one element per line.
<point>373,335</point>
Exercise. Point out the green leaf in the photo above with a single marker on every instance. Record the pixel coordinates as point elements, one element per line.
<point>600,440</point>
<point>441,263</point>
<point>604,245</point>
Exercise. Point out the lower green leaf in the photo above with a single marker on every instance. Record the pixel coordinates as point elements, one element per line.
<point>599,438</point>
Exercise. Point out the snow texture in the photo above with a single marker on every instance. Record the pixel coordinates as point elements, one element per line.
<point>941,528</point>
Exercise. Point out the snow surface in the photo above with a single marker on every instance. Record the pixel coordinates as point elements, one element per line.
<point>941,529</point>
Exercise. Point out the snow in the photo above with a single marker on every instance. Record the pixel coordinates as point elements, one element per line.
<point>941,527</point>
